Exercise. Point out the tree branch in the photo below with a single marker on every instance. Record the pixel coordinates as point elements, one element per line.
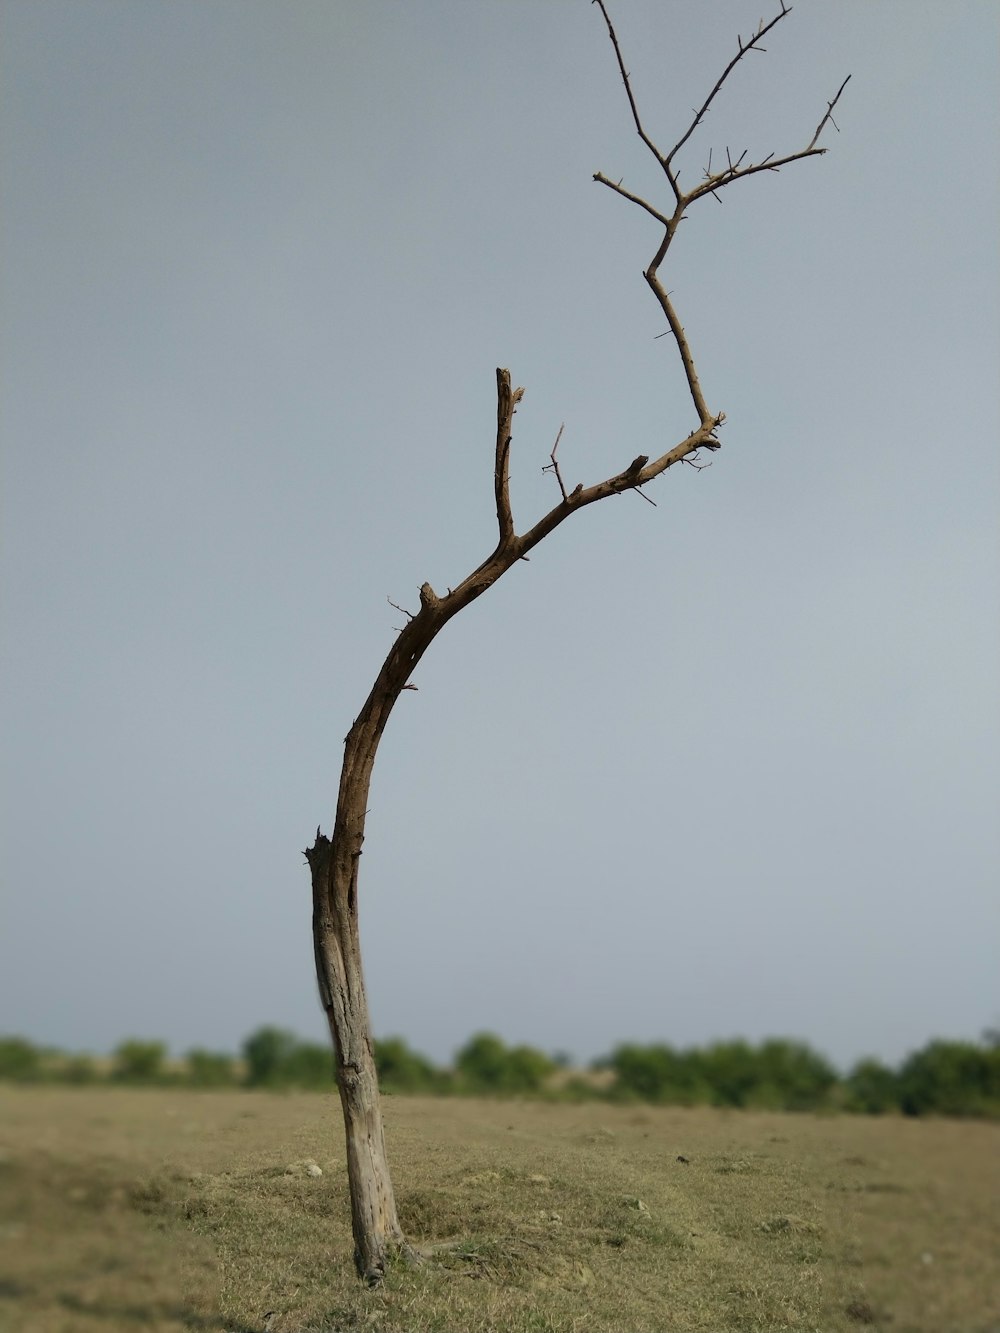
<point>553,466</point>
<point>683,347</point>
<point>734,171</point>
<point>762,30</point>
<point>631,101</point>
<point>711,185</point>
<point>829,114</point>
<point>507,401</point>
<point>601,179</point>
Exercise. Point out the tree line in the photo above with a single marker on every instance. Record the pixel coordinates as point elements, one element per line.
<point>956,1078</point>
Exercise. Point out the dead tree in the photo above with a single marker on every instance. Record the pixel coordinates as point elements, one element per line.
<point>334,861</point>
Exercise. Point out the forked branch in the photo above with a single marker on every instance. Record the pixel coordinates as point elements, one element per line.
<point>712,183</point>
<point>743,47</point>
<point>553,465</point>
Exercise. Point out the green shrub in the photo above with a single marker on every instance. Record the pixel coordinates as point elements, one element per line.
<point>138,1061</point>
<point>528,1069</point>
<point>401,1069</point>
<point>210,1069</point>
<point>731,1069</point>
<point>951,1078</point>
<point>801,1078</point>
<point>778,1075</point>
<point>79,1069</point>
<point>872,1088</point>
<point>485,1064</point>
<point>658,1073</point>
<point>482,1062</point>
<point>277,1059</point>
<point>19,1060</point>
<point>309,1065</point>
<point>266,1053</point>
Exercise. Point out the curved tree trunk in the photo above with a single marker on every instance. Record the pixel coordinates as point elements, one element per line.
<point>334,861</point>
<point>334,864</point>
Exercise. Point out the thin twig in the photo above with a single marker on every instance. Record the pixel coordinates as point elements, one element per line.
<point>631,101</point>
<point>601,179</point>
<point>554,466</point>
<point>710,185</point>
<point>762,30</point>
<point>829,113</point>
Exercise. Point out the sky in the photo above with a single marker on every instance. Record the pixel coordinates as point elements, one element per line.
<point>723,767</point>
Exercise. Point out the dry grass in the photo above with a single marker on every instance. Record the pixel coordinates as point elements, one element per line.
<point>170,1210</point>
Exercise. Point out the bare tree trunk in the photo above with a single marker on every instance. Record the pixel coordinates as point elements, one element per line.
<point>334,861</point>
<point>338,967</point>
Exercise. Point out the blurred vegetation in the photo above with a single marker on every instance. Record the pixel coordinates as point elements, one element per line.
<point>210,1069</point>
<point>950,1078</point>
<point>777,1075</point>
<point>401,1069</point>
<point>486,1065</point>
<point>276,1058</point>
<point>139,1062</point>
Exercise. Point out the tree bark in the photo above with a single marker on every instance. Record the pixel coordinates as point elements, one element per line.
<point>374,1220</point>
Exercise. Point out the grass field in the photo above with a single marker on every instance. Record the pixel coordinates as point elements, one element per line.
<point>183,1210</point>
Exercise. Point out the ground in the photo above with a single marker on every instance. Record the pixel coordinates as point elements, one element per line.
<point>170,1210</point>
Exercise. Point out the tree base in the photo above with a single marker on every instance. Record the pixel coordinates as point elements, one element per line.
<point>399,1252</point>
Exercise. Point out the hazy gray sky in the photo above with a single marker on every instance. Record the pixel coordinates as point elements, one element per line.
<point>726,766</point>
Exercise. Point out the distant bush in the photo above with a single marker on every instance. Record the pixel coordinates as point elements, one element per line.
<point>778,1075</point>
<point>277,1059</point>
<point>310,1065</point>
<point>482,1062</point>
<point>266,1053</point>
<point>659,1073</point>
<point>210,1069</point>
<point>871,1088</point>
<point>79,1069</point>
<point>139,1062</point>
<point>951,1078</point>
<point>800,1078</point>
<point>731,1070</point>
<point>401,1069</point>
<point>20,1061</point>
<point>23,1062</point>
<point>528,1069</point>
<point>486,1064</point>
